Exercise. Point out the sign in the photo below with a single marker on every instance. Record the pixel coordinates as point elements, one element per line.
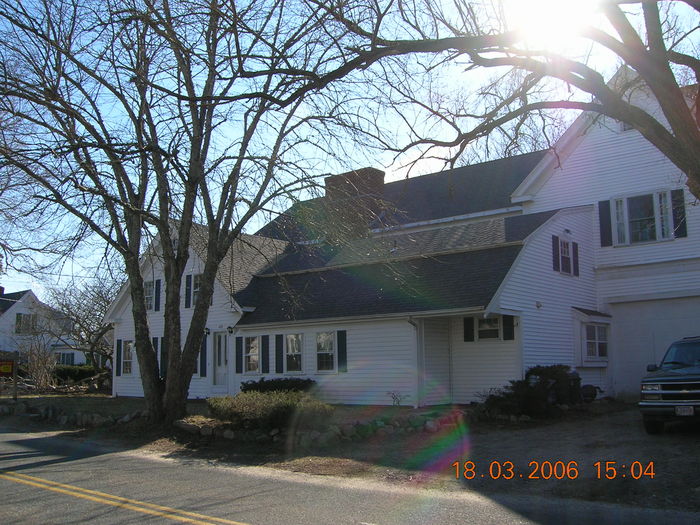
<point>6,368</point>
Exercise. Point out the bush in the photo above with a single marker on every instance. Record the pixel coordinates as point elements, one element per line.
<point>538,395</point>
<point>268,410</point>
<point>74,373</point>
<point>288,384</point>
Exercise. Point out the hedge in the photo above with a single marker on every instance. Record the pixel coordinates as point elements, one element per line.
<point>74,373</point>
<point>268,410</point>
<point>293,384</point>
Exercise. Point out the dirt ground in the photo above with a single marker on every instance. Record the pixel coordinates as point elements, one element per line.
<point>605,432</point>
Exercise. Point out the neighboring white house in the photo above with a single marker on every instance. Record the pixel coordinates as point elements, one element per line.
<point>588,255</point>
<point>25,321</point>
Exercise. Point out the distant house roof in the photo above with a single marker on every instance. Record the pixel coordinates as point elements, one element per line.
<point>426,283</point>
<point>7,300</point>
<point>450,193</point>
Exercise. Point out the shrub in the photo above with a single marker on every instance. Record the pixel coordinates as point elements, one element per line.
<point>74,373</point>
<point>292,384</point>
<point>268,410</point>
<point>537,395</point>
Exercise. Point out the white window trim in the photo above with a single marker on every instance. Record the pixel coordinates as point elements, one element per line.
<point>246,355</point>
<point>335,354</point>
<point>301,355</point>
<point>152,296</point>
<point>597,359</point>
<point>130,345</point>
<point>657,218</point>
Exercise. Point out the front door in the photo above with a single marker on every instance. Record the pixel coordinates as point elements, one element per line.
<point>220,359</point>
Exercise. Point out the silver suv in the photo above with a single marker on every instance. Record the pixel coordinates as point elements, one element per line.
<point>672,389</point>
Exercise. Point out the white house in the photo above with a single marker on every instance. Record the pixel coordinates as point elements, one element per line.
<point>25,321</point>
<point>588,255</point>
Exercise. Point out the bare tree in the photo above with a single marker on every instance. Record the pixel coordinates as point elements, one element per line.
<point>433,53</point>
<point>84,306</point>
<point>141,117</point>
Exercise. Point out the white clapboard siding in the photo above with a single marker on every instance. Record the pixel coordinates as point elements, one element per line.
<point>481,366</point>
<point>545,297</point>
<point>610,163</point>
<point>436,362</point>
<point>220,317</point>
<point>381,358</point>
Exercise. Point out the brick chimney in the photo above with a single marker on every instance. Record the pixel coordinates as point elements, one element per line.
<point>364,181</point>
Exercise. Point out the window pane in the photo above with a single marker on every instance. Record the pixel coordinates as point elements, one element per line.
<point>148,294</point>
<point>664,215</point>
<point>641,218</point>
<point>488,328</point>
<point>590,349</point>
<point>621,226</point>
<point>602,333</point>
<point>590,332</point>
<point>603,349</point>
<point>324,361</point>
<point>251,363</point>
<point>294,363</point>
<point>324,342</point>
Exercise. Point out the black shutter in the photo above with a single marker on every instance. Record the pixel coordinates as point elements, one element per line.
<point>468,329</point>
<point>342,351</point>
<point>680,228</point>
<point>156,296</point>
<point>163,358</point>
<point>605,223</point>
<point>265,346</point>
<point>279,354</point>
<point>118,360</point>
<point>188,291</point>
<point>239,355</point>
<point>556,263</point>
<point>203,358</point>
<point>508,328</point>
<point>574,256</point>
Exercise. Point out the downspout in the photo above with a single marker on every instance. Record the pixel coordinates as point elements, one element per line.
<point>419,361</point>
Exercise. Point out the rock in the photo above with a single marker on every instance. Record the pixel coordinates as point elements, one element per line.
<point>524,417</point>
<point>389,429</point>
<point>100,420</point>
<point>124,419</point>
<point>20,408</point>
<point>431,426</point>
<point>274,432</point>
<point>229,434</point>
<point>379,424</point>
<point>314,435</point>
<point>335,429</point>
<point>63,420</point>
<point>381,432</point>
<point>513,419</point>
<point>564,408</point>
<point>184,425</point>
<point>206,430</point>
<point>4,410</point>
<point>304,441</point>
<point>145,414</point>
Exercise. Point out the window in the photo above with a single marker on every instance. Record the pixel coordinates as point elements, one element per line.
<point>488,328</point>
<point>127,357</point>
<point>25,323</point>
<point>65,358</point>
<point>292,359</point>
<point>565,255</point>
<point>643,218</point>
<point>148,294</point>
<point>252,355</point>
<point>196,282</point>
<point>596,341</point>
<point>325,351</point>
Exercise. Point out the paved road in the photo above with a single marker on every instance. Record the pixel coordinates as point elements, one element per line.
<point>46,479</point>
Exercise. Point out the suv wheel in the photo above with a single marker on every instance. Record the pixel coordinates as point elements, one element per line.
<point>653,426</point>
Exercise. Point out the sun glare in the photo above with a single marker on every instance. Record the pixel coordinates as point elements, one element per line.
<point>551,25</point>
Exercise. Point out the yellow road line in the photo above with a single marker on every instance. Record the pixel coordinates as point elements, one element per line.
<point>116,501</point>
